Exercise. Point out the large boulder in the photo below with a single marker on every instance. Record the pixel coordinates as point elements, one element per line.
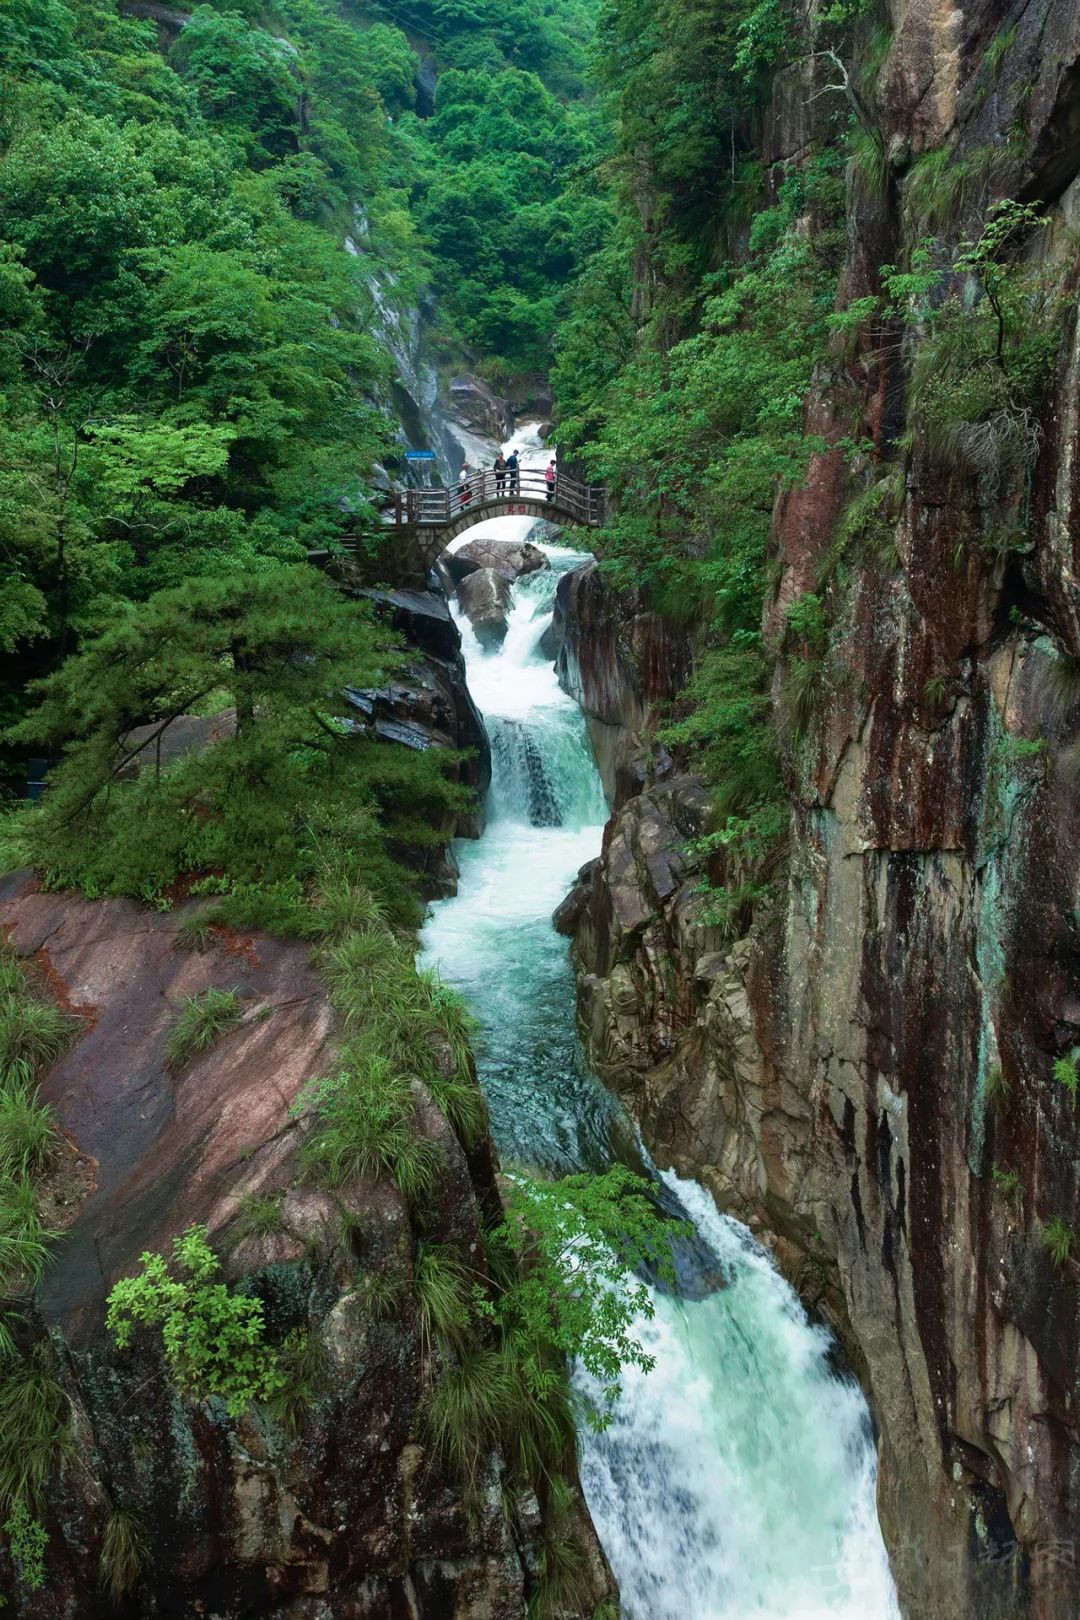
<point>485,601</point>
<point>510,557</point>
<point>473,405</point>
<point>422,617</point>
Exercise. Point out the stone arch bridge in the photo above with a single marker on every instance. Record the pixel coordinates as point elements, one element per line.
<point>426,520</point>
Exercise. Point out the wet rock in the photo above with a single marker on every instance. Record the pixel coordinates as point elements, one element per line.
<point>544,533</point>
<point>620,661</point>
<point>179,737</point>
<point>866,1077</point>
<point>422,617</point>
<point>429,706</point>
<point>472,404</point>
<point>510,557</point>
<point>485,601</point>
<point>551,640</point>
<point>568,913</point>
<point>339,1513</point>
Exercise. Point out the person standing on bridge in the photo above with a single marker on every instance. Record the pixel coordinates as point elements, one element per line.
<point>500,473</point>
<point>550,477</point>
<point>463,484</point>
<point>512,469</point>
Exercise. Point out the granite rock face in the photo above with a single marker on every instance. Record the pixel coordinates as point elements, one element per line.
<point>509,557</point>
<point>429,706</point>
<point>485,601</point>
<point>620,661</point>
<point>867,1075</point>
<point>343,1514</point>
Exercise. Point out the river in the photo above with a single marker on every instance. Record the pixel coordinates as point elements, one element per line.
<point>737,1480</point>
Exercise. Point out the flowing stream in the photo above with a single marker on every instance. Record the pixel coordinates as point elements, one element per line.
<point>737,1479</point>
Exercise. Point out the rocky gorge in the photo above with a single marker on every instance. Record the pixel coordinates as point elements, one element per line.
<point>866,1074</point>
<point>313,1048</point>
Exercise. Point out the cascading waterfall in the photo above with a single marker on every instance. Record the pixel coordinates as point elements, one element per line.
<point>737,1479</point>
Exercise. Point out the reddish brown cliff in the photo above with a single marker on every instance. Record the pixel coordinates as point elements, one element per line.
<point>868,1077</point>
<point>340,1514</point>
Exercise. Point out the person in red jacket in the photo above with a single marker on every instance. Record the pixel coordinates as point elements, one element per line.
<point>549,479</point>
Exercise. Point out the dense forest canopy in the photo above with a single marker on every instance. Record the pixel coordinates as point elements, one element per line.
<point>191,380</point>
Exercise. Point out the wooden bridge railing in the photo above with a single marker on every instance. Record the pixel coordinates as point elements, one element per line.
<point>432,508</point>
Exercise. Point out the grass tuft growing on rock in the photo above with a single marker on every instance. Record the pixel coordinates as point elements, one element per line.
<point>562,1564</point>
<point>1059,688</point>
<point>382,1293</point>
<point>367,1126</point>
<point>34,1429</point>
<point>200,1022</point>
<point>1058,1238</point>
<point>125,1553</point>
<point>1067,1075</point>
<point>258,1215</point>
<point>401,1026</point>
<point>442,1295</point>
<point>28,1136</point>
<point>33,1032</point>
<point>466,1411</point>
<point>301,1363</point>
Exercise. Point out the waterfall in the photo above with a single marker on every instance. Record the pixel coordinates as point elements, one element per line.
<point>737,1479</point>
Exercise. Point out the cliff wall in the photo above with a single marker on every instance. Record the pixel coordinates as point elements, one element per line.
<point>330,1506</point>
<point>868,1076</point>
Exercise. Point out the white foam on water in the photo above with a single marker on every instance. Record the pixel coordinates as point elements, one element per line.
<point>737,1479</point>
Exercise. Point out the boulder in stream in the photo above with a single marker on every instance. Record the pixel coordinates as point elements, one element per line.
<point>509,557</point>
<point>485,601</point>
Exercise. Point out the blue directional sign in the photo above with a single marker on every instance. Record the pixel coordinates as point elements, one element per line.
<point>419,455</point>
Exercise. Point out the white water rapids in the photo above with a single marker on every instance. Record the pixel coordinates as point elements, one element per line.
<point>737,1479</point>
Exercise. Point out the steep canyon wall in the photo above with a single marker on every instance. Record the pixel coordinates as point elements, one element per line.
<point>867,1076</point>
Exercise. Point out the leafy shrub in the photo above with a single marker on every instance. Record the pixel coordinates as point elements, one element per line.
<point>201,1021</point>
<point>28,1540</point>
<point>1065,1073</point>
<point>213,1340</point>
<point>806,620</point>
<point>562,1265</point>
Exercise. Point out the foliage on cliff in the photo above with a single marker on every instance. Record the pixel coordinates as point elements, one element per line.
<point>284,784</point>
<point>703,328</point>
<point>683,372</point>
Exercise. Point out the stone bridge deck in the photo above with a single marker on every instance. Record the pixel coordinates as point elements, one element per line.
<point>428,519</point>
